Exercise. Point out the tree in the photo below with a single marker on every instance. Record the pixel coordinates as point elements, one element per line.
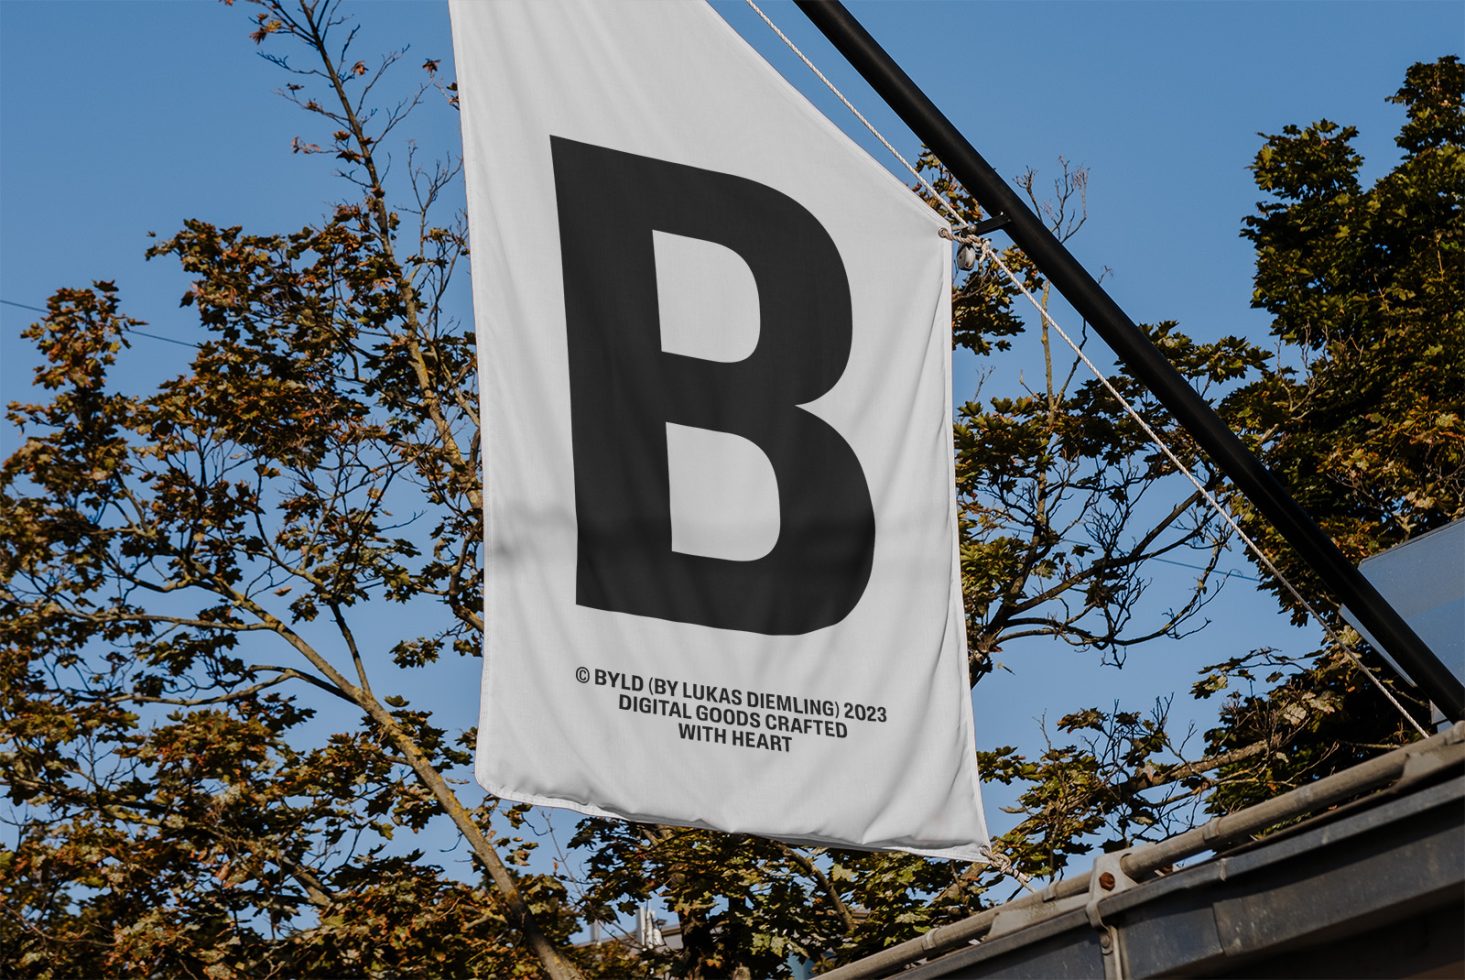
<point>152,534</point>
<point>1367,285</point>
<point>1359,412</point>
<point>179,609</point>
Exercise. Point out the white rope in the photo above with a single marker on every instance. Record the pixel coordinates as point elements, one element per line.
<point>936,196</point>
<point>1005,865</point>
<point>992,256</point>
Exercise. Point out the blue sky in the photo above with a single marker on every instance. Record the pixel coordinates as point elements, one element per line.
<point>118,118</point>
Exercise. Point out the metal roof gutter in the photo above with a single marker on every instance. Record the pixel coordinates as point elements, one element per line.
<point>1122,870</point>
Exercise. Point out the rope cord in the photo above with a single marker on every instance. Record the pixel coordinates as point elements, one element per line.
<point>936,196</point>
<point>1005,865</point>
<point>992,256</point>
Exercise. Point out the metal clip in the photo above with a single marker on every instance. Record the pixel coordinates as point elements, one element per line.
<point>1108,878</point>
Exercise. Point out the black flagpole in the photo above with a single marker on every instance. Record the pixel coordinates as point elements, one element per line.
<point>1141,357</point>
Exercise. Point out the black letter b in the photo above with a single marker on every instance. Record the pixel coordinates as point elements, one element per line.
<point>624,389</point>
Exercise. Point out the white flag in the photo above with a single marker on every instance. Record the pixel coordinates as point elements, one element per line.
<point>714,346</point>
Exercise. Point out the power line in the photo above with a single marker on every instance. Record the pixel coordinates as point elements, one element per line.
<point>1222,572</point>
<point>134,330</point>
<point>23,306</point>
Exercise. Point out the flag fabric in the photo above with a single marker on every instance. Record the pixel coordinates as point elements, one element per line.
<point>722,587</point>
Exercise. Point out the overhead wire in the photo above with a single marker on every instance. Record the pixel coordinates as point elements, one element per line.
<point>132,330</point>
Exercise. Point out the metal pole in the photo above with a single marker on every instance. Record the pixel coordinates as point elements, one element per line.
<point>1141,357</point>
